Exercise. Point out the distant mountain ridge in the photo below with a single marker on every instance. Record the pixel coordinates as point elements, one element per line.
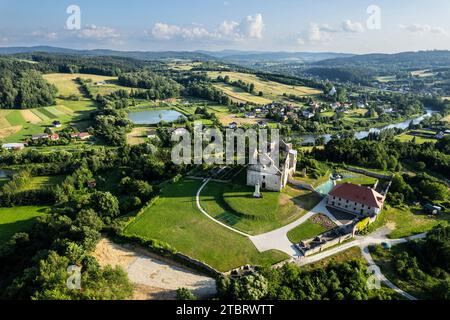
<point>227,55</point>
<point>425,59</point>
<point>140,55</point>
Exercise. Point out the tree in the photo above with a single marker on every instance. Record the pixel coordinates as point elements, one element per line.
<point>185,295</point>
<point>105,204</point>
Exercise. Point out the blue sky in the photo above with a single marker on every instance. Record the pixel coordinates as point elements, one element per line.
<point>263,25</point>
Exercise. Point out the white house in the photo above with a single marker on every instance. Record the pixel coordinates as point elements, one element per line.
<point>13,146</point>
<point>359,200</point>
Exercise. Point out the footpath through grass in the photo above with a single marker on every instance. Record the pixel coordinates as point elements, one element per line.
<point>17,219</point>
<point>176,220</point>
<point>234,205</point>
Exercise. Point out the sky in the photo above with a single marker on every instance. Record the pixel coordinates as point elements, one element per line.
<point>350,26</point>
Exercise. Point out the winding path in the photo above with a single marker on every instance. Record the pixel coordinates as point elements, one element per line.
<point>210,217</point>
<point>277,239</point>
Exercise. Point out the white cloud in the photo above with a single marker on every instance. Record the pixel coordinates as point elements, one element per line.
<point>229,28</point>
<point>46,35</point>
<point>350,26</point>
<point>422,28</point>
<point>322,33</point>
<point>97,33</point>
<point>165,31</point>
<point>250,28</point>
<point>253,26</point>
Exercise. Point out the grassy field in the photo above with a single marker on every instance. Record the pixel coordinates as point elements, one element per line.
<point>43,182</point>
<point>409,138</point>
<point>408,222</point>
<point>360,180</point>
<point>307,230</point>
<point>385,79</point>
<point>18,219</point>
<point>176,220</point>
<point>65,82</point>
<point>137,136</point>
<point>235,205</point>
<point>240,96</point>
<point>347,255</point>
<point>447,118</point>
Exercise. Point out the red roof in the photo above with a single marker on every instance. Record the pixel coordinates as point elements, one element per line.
<point>358,194</point>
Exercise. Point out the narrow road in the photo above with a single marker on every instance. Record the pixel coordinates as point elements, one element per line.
<point>364,243</point>
<point>276,239</point>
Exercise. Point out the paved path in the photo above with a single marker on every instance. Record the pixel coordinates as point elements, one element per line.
<point>364,243</point>
<point>278,239</point>
<point>210,217</point>
<point>381,277</point>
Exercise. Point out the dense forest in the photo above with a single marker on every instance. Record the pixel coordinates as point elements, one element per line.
<point>23,87</point>
<point>158,87</point>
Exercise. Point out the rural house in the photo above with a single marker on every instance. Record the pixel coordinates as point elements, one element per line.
<point>358,200</point>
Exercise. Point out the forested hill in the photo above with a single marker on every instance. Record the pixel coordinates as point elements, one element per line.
<point>140,55</point>
<point>404,60</point>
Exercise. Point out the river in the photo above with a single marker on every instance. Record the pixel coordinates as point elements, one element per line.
<point>311,138</point>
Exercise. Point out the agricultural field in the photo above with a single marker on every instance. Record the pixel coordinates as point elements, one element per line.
<point>175,219</point>
<point>422,73</point>
<point>386,79</point>
<point>67,86</point>
<point>17,125</point>
<point>234,205</point>
<point>240,96</point>
<point>273,91</point>
<point>18,219</point>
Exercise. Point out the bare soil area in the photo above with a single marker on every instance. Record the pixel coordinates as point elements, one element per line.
<point>154,278</point>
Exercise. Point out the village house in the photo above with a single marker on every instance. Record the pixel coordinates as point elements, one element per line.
<point>40,136</point>
<point>56,124</point>
<point>308,114</point>
<point>358,200</point>
<point>80,135</point>
<point>271,177</point>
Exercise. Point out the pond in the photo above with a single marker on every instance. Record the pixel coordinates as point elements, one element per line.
<point>154,116</point>
<point>311,138</point>
<point>4,174</point>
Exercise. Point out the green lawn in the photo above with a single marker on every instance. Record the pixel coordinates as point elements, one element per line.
<point>359,180</point>
<point>235,205</point>
<point>305,231</point>
<point>176,220</point>
<point>18,219</point>
<point>345,256</point>
<point>39,183</point>
<point>407,222</point>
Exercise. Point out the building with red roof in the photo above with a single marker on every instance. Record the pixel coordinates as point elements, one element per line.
<point>356,199</point>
